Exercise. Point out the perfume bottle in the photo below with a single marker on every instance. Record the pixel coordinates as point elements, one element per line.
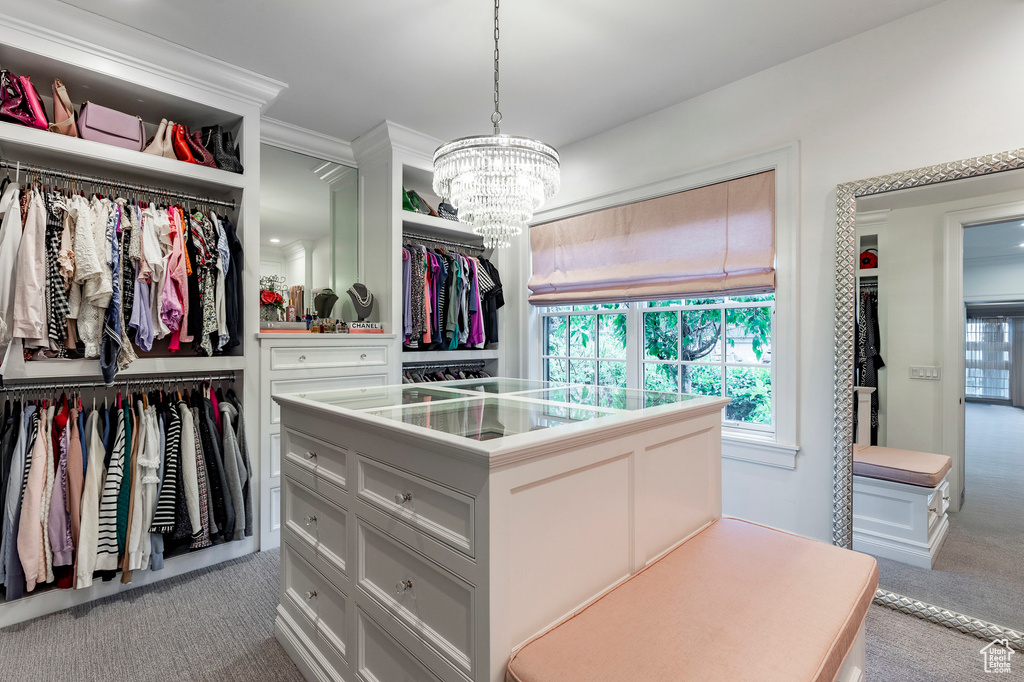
<point>308,318</point>
<point>289,312</point>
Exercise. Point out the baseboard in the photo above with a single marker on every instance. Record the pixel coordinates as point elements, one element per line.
<point>915,556</point>
<point>301,650</point>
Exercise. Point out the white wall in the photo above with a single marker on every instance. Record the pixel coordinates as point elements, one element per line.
<point>322,263</point>
<point>914,269</point>
<point>936,86</point>
<point>994,279</point>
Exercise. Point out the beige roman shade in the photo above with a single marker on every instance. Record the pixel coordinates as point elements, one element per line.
<point>719,238</point>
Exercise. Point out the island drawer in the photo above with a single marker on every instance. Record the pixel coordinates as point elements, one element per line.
<point>442,513</point>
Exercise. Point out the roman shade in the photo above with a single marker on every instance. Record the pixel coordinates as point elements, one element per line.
<point>704,241</point>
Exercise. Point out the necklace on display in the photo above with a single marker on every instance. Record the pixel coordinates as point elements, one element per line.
<point>364,302</point>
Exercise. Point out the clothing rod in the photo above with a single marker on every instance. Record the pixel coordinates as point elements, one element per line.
<point>126,381</point>
<point>121,184</point>
<point>476,364</point>
<point>446,242</point>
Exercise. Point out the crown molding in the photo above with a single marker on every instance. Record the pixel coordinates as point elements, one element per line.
<point>304,141</point>
<point>388,135</point>
<point>70,34</point>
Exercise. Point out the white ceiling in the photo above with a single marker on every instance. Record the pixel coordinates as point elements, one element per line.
<point>995,240</point>
<point>569,69</point>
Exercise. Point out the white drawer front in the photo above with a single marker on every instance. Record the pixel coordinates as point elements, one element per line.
<point>318,524</point>
<point>440,512</point>
<point>320,357</point>
<point>329,463</point>
<point>321,384</point>
<point>435,604</point>
<point>382,659</point>
<point>315,598</point>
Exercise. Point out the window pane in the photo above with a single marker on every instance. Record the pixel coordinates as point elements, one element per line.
<point>581,371</point>
<point>612,374</point>
<point>702,335</point>
<point>704,301</point>
<point>558,308</point>
<point>615,306</point>
<point>659,377</point>
<point>612,336</point>
<point>585,308</point>
<point>555,370</point>
<point>751,391</point>
<point>749,335</point>
<point>554,328</point>
<point>661,336</point>
<point>702,379</point>
<point>663,304</point>
<point>582,335</point>
<point>752,299</point>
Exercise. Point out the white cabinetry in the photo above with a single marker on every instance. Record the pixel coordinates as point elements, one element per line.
<point>295,363</point>
<point>154,79</point>
<point>413,554</point>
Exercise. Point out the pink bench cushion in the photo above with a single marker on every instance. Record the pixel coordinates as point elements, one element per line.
<point>902,466</point>
<point>736,602</point>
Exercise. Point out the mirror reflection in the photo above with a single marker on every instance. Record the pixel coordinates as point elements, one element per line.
<point>308,246</point>
<point>939,454</point>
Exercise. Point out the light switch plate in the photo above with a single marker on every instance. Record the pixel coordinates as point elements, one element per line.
<point>925,372</point>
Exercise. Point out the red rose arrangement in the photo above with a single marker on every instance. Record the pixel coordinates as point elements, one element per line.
<point>268,297</point>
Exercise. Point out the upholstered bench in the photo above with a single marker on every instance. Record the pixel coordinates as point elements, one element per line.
<point>735,602</point>
<point>900,497</point>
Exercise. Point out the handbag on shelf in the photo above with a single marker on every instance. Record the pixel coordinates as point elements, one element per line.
<point>19,101</point>
<point>63,111</point>
<point>869,259</point>
<point>447,211</point>
<point>420,205</point>
<point>110,126</point>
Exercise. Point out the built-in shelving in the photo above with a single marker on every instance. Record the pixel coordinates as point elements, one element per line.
<point>465,355</point>
<point>430,226</point>
<point>154,80</point>
<point>44,148</point>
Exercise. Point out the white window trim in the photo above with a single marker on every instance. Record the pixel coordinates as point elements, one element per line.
<point>780,450</point>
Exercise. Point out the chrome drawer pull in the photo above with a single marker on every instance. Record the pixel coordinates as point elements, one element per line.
<point>302,358</point>
<point>403,586</point>
<point>311,595</point>
<point>310,520</point>
<point>363,356</point>
<point>403,498</point>
<point>310,454</point>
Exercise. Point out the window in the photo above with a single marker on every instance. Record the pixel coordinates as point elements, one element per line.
<point>586,344</point>
<point>988,358</point>
<point>716,346</point>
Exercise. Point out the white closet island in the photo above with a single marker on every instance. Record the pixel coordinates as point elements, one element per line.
<point>429,529</point>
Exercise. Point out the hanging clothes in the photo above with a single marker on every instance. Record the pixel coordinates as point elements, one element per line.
<point>869,352</point>
<point>104,278</point>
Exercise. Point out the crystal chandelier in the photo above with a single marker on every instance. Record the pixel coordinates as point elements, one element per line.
<point>496,181</point>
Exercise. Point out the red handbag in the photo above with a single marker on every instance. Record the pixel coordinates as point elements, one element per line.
<point>869,259</point>
<point>19,101</point>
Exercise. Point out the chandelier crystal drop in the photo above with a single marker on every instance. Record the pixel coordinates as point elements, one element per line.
<point>496,181</point>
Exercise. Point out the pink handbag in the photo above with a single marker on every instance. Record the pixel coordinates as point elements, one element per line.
<point>19,101</point>
<point>63,111</point>
<point>109,126</point>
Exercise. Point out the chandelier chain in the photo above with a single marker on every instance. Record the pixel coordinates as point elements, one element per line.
<point>496,116</point>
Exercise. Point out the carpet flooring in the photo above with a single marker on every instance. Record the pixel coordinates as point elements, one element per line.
<point>216,625</point>
<point>980,568</point>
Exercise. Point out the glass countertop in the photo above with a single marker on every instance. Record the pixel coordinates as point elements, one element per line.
<point>488,409</point>
<point>608,396</point>
<point>499,385</point>
<point>383,396</point>
<point>488,418</point>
